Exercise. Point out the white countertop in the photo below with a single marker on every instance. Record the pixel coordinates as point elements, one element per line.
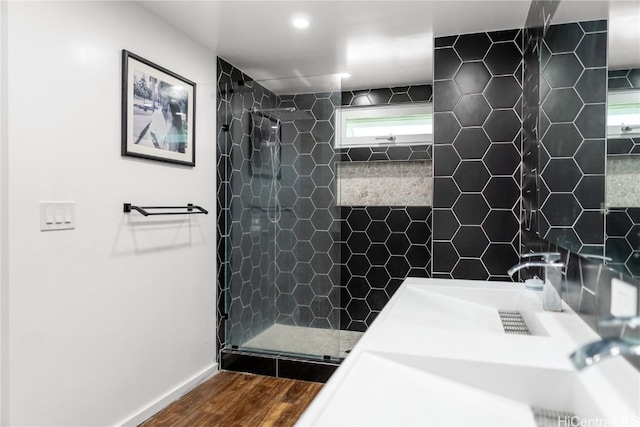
<point>437,355</point>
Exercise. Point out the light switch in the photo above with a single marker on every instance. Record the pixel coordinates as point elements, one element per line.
<point>57,216</point>
<point>49,215</point>
<point>67,215</point>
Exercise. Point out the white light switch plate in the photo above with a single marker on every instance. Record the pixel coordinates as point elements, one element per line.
<point>624,299</point>
<point>57,216</point>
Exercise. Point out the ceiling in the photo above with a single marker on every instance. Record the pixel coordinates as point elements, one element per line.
<point>380,43</point>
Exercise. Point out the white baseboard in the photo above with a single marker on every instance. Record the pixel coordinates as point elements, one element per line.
<point>171,396</point>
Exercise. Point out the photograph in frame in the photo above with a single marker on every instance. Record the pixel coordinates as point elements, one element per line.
<point>158,112</point>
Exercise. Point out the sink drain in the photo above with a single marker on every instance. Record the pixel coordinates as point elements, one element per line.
<point>551,418</point>
<point>513,323</point>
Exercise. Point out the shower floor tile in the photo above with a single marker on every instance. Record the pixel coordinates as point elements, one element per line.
<point>303,340</point>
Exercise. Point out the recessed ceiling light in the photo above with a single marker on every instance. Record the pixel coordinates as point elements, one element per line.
<point>344,75</point>
<point>300,23</point>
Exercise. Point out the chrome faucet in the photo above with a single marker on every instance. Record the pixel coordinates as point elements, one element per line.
<point>594,352</point>
<point>549,259</point>
<point>551,301</point>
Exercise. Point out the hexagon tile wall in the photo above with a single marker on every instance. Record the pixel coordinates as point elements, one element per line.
<point>476,156</point>
<point>381,246</point>
<point>573,89</point>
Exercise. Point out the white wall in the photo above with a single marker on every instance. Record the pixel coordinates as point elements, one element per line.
<point>4,282</point>
<point>111,316</point>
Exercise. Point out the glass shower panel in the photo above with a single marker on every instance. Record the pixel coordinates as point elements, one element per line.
<point>250,294</point>
<point>290,258</point>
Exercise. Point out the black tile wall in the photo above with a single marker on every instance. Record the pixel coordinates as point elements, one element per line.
<point>624,79</point>
<point>623,240</point>
<point>573,85</point>
<point>387,96</point>
<point>623,146</point>
<point>477,133</point>
<point>381,246</point>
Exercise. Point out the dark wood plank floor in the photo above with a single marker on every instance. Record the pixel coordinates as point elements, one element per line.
<point>235,399</point>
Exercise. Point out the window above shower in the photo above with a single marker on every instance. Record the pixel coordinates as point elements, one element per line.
<point>385,125</point>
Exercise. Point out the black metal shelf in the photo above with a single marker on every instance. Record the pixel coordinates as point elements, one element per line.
<point>144,210</point>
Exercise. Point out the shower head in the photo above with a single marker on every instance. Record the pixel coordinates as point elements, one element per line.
<point>282,114</point>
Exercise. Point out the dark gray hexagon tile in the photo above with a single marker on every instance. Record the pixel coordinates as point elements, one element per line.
<point>471,176</point>
<point>563,37</point>
<point>562,105</point>
<point>562,70</point>
<point>590,227</point>
<point>592,50</point>
<point>470,241</point>
<point>503,58</point>
<point>591,86</point>
<point>501,192</point>
<point>562,140</point>
<point>446,128</point>
<point>471,209</point>
<point>447,224</point>
<point>618,223</point>
<point>591,121</point>
<point>502,159</point>
<point>448,95</point>
<point>499,257</point>
<point>590,192</point>
<point>444,257</point>
<point>471,143</point>
<point>445,192</point>
<point>561,209</point>
<point>501,226</point>
<point>447,160</point>
<point>503,92</point>
<point>472,110</point>
<point>421,93</point>
<point>502,125</point>
<point>561,175</point>
<point>472,77</point>
<point>472,269</point>
<point>472,46</point>
<point>589,156</point>
<point>446,63</point>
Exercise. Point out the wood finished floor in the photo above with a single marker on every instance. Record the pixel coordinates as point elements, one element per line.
<point>242,400</point>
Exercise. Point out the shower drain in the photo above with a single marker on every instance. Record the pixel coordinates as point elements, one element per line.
<point>552,418</point>
<point>513,323</point>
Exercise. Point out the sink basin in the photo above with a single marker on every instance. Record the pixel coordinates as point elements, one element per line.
<point>469,307</point>
<point>451,392</point>
<point>438,355</point>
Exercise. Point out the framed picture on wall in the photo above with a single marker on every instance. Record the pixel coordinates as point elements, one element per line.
<point>158,112</point>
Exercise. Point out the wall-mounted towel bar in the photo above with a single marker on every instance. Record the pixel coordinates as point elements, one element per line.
<point>144,210</point>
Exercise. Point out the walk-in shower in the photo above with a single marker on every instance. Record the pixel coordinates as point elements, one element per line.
<point>280,226</point>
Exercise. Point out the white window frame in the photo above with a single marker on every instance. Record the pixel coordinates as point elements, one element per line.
<point>628,130</point>
<point>380,111</point>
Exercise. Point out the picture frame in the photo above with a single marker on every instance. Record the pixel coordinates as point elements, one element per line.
<point>158,112</point>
